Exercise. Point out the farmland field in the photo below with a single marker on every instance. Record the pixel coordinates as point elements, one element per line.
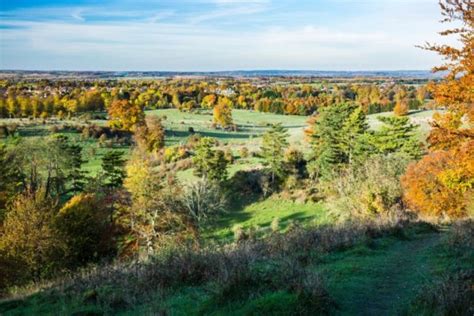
<point>251,125</point>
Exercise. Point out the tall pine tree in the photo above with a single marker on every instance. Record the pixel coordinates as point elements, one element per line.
<point>334,135</point>
<point>397,135</point>
<point>273,148</point>
<point>113,166</point>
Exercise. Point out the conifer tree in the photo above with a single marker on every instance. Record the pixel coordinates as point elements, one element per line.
<point>398,135</point>
<point>208,162</point>
<point>332,134</point>
<point>113,169</point>
<point>273,148</point>
<point>352,131</point>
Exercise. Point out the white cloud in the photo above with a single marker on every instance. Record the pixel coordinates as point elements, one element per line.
<point>167,40</point>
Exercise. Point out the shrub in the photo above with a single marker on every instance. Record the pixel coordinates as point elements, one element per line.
<point>176,153</point>
<point>204,199</point>
<point>441,184</point>
<point>84,225</point>
<point>367,191</point>
<point>3,131</point>
<point>452,295</point>
<point>28,236</point>
<point>229,157</point>
<point>244,152</point>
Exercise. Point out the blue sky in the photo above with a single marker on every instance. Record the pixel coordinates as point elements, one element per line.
<point>189,35</point>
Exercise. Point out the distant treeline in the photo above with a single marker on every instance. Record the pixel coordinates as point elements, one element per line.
<point>63,98</point>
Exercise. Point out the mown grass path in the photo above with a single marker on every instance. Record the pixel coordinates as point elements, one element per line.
<point>383,278</point>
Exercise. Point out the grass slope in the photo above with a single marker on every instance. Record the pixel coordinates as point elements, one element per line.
<point>382,278</point>
<point>259,215</point>
<point>377,276</point>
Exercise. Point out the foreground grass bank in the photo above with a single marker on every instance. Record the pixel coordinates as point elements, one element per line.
<point>362,269</point>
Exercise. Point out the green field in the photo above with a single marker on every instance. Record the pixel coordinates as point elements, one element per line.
<point>251,125</point>
<point>258,214</point>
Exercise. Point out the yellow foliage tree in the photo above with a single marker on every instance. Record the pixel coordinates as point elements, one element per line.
<point>223,112</point>
<point>125,115</point>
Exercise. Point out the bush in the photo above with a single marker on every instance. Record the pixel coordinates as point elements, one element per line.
<point>452,295</point>
<point>229,157</point>
<point>204,199</point>
<point>175,153</point>
<point>28,238</point>
<point>295,162</point>
<point>368,191</point>
<point>244,152</point>
<point>84,226</point>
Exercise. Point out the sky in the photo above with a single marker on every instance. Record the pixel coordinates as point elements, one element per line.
<point>212,35</point>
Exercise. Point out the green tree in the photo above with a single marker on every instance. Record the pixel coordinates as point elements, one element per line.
<point>75,174</point>
<point>44,165</point>
<point>274,144</point>
<point>209,163</point>
<point>332,134</point>
<point>353,130</point>
<point>397,135</point>
<point>9,179</point>
<point>113,169</point>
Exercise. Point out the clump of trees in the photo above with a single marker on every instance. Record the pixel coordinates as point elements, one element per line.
<point>441,184</point>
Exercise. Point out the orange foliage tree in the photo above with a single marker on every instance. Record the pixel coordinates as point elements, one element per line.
<point>125,115</point>
<point>456,91</point>
<point>442,183</point>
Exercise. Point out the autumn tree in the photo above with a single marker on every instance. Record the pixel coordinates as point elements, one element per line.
<point>455,92</point>
<point>401,103</point>
<point>125,115</point>
<point>222,114</point>
<point>150,136</point>
<point>441,184</point>
<point>84,226</point>
<point>208,101</point>
<point>28,235</point>
<point>274,144</point>
<point>92,101</point>
<point>154,215</point>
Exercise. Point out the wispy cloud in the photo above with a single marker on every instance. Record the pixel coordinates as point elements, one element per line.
<point>215,34</point>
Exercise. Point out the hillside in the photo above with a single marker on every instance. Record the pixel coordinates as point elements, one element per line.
<point>346,271</point>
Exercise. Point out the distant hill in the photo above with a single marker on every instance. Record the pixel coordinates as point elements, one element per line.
<point>415,74</point>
